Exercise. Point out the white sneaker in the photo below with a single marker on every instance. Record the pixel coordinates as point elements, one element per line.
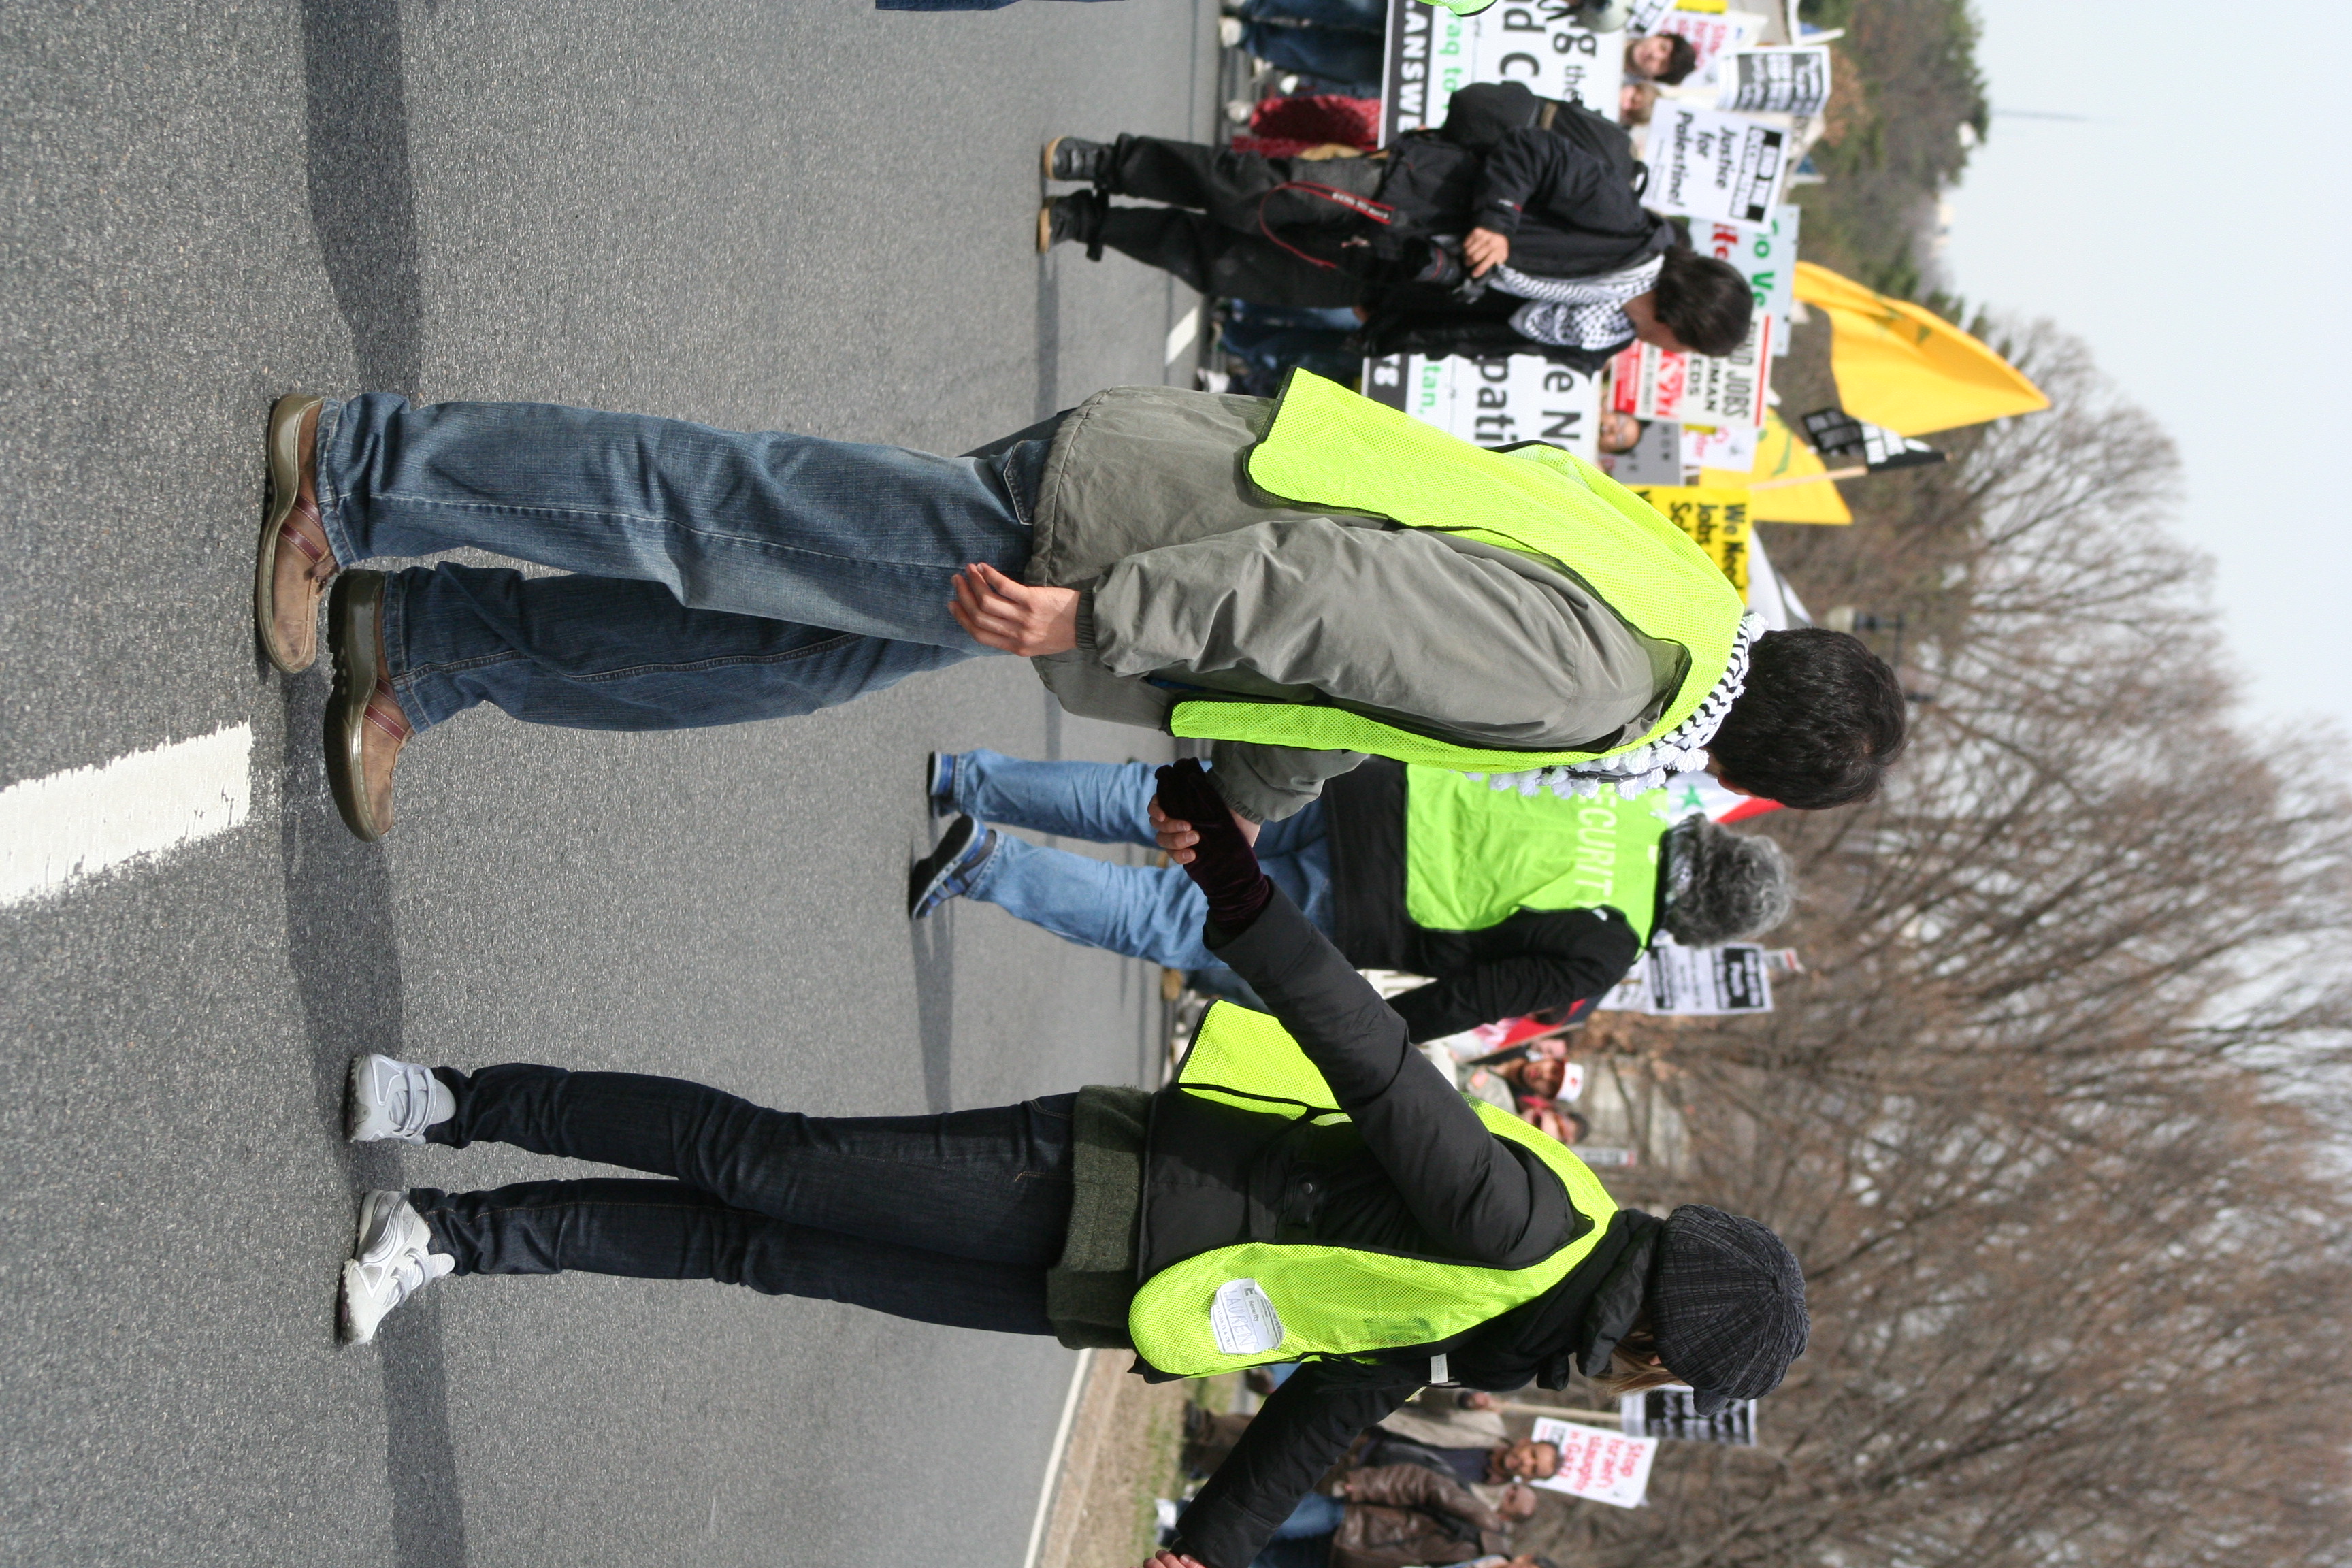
<point>1229,32</point>
<point>390,1261</point>
<point>393,1099</point>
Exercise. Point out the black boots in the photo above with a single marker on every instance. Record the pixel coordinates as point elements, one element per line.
<point>1077,216</point>
<point>1076,158</point>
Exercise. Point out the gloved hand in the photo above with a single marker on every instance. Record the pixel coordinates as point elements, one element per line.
<point>1223,866</point>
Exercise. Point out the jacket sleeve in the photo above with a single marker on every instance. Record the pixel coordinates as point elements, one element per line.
<point>1307,1424</point>
<point>1564,956</point>
<point>1460,1182</point>
<point>1266,783</point>
<point>1418,1486</point>
<point>1530,169</point>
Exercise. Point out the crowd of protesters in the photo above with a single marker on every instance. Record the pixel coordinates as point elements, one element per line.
<point>1440,689</point>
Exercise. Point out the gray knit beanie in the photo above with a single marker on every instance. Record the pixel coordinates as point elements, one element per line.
<point>1723,885</point>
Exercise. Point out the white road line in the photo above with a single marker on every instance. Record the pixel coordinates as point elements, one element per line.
<point>1180,335</point>
<point>65,828</point>
<point>1054,1459</point>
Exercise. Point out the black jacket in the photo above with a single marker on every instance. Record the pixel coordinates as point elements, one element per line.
<point>1414,1170</point>
<point>1535,960</point>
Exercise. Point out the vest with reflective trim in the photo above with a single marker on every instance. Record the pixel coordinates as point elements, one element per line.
<point>1474,856</point>
<point>1332,449</point>
<point>1333,1301</point>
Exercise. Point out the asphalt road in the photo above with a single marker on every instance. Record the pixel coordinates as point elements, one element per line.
<point>760,215</point>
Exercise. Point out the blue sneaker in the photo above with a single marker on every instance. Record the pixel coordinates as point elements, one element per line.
<point>947,871</point>
<point>939,782</point>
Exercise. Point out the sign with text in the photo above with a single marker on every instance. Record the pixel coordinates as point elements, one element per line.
<point>1731,447</point>
<point>1651,383</point>
<point>1716,520</point>
<point>1774,81</point>
<point>1766,254</point>
<point>1672,1412</point>
<point>1495,402</point>
<point>1432,53</point>
<point>1655,460</point>
<point>1597,1464</point>
<point>1707,164</point>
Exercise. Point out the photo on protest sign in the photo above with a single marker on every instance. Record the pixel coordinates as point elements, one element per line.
<point>1711,35</point>
<point>1672,1413</point>
<point>1707,165</point>
<point>1774,81</point>
<point>1433,53</point>
<point>1716,520</point>
<point>1597,1464</point>
<point>1655,460</point>
<point>1696,982</point>
<point>1495,402</point>
<point>1766,254</point>
<point>1651,383</point>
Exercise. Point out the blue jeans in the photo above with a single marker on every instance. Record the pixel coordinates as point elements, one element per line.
<point>1343,41</point>
<point>1152,913</point>
<point>950,1219</point>
<point>718,576</point>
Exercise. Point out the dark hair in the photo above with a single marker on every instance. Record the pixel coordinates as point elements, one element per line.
<point>1821,719</point>
<point>1681,62</point>
<point>1706,301</point>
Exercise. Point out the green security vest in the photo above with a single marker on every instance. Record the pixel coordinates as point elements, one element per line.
<point>1332,1301</point>
<point>1331,449</point>
<point>1475,856</point>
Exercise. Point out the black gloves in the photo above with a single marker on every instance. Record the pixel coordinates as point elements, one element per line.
<point>1224,865</point>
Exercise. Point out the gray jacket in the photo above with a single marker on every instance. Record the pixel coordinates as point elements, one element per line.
<point>1191,577</point>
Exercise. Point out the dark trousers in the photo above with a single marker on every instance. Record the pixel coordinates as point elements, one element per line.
<point>949,1219</point>
<point>1222,246</point>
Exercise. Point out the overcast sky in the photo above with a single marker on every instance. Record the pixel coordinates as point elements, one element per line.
<point>2190,229</point>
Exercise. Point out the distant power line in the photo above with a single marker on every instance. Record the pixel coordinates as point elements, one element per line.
<point>2037,114</point>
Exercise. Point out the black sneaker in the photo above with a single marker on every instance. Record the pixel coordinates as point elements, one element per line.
<point>1077,216</point>
<point>1076,158</point>
<point>947,871</point>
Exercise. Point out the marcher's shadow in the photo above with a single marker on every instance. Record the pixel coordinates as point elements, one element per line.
<point>933,940</point>
<point>363,197</point>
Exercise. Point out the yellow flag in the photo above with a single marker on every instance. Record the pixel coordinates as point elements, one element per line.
<point>1781,457</point>
<point>1907,368</point>
<point>1715,517</point>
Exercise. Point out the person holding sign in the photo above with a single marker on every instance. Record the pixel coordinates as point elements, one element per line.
<point>1309,1189</point>
<point>1512,904</point>
<point>1305,581</point>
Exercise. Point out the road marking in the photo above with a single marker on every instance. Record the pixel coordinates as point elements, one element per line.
<point>1180,335</point>
<point>1054,1459</point>
<point>68,827</point>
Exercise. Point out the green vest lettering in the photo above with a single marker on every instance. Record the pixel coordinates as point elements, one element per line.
<point>1329,1301</point>
<point>1474,856</point>
<point>1333,449</point>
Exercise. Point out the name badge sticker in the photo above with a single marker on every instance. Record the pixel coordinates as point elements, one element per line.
<point>1243,1320</point>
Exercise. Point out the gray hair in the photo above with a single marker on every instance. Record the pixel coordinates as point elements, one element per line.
<point>1723,885</point>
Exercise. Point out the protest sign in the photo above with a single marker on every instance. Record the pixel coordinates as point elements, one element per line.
<point>1432,53</point>
<point>1655,460</point>
<point>1495,402</point>
<point>1712,38</point>
<point>1731,447</point>
<point>1838,435</point>
<point>1774,81</point>
<point>1765,256</point>
<point>1651,383</point>
<point>1597,1464</point>
<point>1707,164</point>
<point>1717,521</point>
<point>1672,1413</point>
<point>1696,982</point>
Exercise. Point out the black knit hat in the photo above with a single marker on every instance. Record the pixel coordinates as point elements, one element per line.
<point>1727,1304</point>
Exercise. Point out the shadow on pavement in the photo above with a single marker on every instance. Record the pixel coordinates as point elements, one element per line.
<point>362,201</point>
<point>345,954</point>
<point>934,945</point>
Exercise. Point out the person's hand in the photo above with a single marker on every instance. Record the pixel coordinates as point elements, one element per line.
<point>1484,249</point>
<point>1552,1050</point>
<point>1014,617</point>
<point>1475,1400</point>
<point>1178,838</point>
<point>1165,1559</point>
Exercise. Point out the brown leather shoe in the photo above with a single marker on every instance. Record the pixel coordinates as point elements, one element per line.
<point>365,727</point>
<point>295,561</point>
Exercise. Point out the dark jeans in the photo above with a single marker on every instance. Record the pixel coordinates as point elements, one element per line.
<point>1222,246</point>
<point>949,1219</point>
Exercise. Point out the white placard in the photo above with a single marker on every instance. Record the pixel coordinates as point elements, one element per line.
<point>1696,982</point>
<point>1244,1321</point>
<point>1432,53</point>
<point>1597,1464</point>
<point>1774,81</point>
<point>1707,164</point>
<point>1496,401</point>
<point>1727,447</point>
<point>1650,382</point>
